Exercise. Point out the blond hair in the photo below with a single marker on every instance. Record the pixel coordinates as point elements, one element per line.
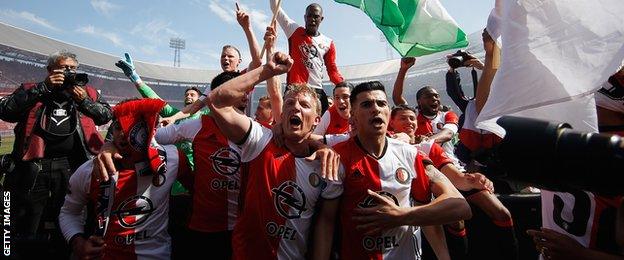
<point>304,89</point>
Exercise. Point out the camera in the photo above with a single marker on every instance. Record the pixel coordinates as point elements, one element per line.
<point>554,157</point>
<point>74,79</point>
<point>458,58</point>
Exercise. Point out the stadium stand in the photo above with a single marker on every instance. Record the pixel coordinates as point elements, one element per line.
<point>23,57</point>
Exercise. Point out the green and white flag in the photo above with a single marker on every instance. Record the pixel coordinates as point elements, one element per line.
<point>413,27</point>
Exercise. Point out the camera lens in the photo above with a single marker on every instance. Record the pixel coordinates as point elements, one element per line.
<point>456,61</point>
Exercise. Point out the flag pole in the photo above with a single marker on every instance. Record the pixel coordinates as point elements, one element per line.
<point>279,2</point>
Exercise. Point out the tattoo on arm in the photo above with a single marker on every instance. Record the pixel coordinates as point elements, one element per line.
<point>435,175</point>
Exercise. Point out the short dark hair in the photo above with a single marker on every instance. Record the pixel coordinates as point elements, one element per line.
<point>364,87</point>
<point>422,90</point>
<point>344,84</point>
<point>400,108</point>
<point>222,78</point>
<point>199,92</point>
<point>312,5</point>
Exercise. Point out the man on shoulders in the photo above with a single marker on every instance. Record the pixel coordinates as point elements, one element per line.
<point>310,50</point>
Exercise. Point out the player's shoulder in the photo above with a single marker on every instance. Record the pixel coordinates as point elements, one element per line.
<point>345,146</point>
<point>397,144</point>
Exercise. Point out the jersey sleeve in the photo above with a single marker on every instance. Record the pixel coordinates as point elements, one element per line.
<point>438,156</point>
<point>288,25</point>
<point>332,140</point>
<point>451,121</point>
<point>71,217</point>
<point>147,92</point>
<point>184,131</point>
<point>258,137</point>
<point>420,189</point>
<point>321,128</point>
<point>330,62</point>
<point>334,188</point>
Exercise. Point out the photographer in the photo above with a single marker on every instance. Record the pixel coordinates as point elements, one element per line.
<point>55,133</point>
<point>453,80</point>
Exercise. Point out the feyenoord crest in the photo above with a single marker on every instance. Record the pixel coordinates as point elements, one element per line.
<point>138,136</point>
<point>225,161</point>
<point>134,211</point>
<point>289,200</point>
<point>401,175</point>
<point>315,179</point>
<point>370,202</point>
<point>439,126</point>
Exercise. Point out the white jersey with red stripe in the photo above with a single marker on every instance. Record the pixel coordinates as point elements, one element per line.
<point>311,55</point>
<point>138,221</point>
<point>435,152</point>
<point>398,174</point>
<point>217,173</point>
<point>332,123</point>
<point>443,120</point>
<point>472,137</point>
<point>587,218</point>
<point>280,196</point>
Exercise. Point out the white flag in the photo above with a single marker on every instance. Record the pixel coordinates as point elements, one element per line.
<point>555,55</point>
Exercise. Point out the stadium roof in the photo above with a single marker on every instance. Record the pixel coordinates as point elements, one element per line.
<point>24,40</point>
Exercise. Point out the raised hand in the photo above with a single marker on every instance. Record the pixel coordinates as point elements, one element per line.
<point>407,62</point>
<point>280,63</point>
<point>270,36</point>
<point>128,68</point>
<point>242,17</point>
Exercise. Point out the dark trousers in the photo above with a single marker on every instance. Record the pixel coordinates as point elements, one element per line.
<point>38,191</point>
<point>219,244</point>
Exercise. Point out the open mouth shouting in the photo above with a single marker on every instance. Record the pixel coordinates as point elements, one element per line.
<point>377,122</point>
<point>295,121</point>
<point>225,64</point>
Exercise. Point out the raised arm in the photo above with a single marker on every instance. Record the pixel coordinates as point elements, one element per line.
<point>397,91</point>
<point>274,88</point>
<point>128,68</point>
<point>254,49</point>
<point>492,59</point>
<point>288,25</point>
<point>224,97</point>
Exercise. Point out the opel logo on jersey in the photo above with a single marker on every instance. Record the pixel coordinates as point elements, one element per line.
<point>138,136</point>
<point>401,175</point>
<point>225,161</point>
<point>369,201</point>
<point>134,211</point>
<point>289,199</point>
